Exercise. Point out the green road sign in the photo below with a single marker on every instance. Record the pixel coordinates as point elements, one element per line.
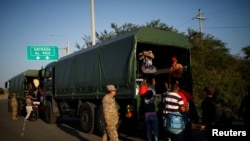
<point>42,52</point>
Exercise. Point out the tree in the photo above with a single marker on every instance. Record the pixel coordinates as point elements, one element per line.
<point>127,27</point>
<point>2,91</point>
<point>246,50</point>
<point>212,65</point>
<point>244,65</point>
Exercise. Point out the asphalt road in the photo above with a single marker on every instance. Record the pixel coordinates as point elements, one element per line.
<point>68,130</point>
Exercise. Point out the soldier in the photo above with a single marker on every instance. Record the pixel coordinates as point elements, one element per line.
<point>14,106</point>
<point>111,116</point>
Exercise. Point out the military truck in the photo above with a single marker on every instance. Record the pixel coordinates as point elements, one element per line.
<point>75,84</point>
<point>19,85</point>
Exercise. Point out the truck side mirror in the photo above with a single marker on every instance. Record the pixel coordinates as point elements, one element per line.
<point>7,84</point>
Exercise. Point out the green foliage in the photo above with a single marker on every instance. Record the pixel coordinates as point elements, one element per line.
<point>1,91</point>
<point>246,50</point>
<point>127,27</point>
<point>212,65</point>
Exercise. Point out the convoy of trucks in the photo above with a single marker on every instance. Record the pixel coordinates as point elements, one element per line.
<point>75,84</point>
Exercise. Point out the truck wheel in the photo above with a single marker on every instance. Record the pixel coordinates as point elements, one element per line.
<point>87,117</point>
<point>100,123</point>
<point>49,117</point>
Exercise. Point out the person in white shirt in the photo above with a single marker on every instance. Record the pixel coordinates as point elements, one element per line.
<point>28,106</point>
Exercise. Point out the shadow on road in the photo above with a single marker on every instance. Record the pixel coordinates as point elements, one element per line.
<point>72,126</point>
<point>72,131</point>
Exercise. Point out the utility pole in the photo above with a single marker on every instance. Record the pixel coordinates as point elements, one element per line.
<point>67,47</point>
<point>201,19</point>
<point>93,22</point>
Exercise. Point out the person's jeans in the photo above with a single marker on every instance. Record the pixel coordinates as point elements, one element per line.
<point>151,121</point>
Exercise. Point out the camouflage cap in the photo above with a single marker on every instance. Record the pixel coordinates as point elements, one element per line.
<point>111,88</point>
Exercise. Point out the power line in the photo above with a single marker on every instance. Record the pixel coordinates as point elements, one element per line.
<point>221,13</point>
<point>230,11</point>
<point>184,23</point>
<point>247,26</point>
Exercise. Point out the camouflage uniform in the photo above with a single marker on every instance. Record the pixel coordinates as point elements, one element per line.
<point>111,117</point>
<point>14,106</point>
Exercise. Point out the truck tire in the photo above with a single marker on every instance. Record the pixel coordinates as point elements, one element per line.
<point>100,123</point>
<point>87,117</point>
<point>49,117</point>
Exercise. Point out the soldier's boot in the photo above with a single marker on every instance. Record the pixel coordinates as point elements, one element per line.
<point>14,116</point>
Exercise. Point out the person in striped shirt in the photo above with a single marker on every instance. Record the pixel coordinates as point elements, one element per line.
<point>173,103</point>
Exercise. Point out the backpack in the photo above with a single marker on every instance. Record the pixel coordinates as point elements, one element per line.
<point>148,69</point>
<point>147,66</point>
<point>174,123</point>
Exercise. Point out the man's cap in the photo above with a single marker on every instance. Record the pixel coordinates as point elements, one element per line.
<point>209,90</point>
<point>111,88</point>
<point>174,59</point>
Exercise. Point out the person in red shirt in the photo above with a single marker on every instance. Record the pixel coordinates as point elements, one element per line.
<point>176,69</point>
<point>190,113</point>
<point>175,73</point>
<point>186,105</point>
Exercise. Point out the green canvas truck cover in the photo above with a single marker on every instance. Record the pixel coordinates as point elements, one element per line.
<point>88,71</point>
<point>16,83</point>
<point>161,37</point>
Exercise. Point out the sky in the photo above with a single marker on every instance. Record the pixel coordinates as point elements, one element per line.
<point>31,23</point>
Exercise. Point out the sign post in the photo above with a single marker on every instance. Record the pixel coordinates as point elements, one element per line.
<point>42,52</point>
